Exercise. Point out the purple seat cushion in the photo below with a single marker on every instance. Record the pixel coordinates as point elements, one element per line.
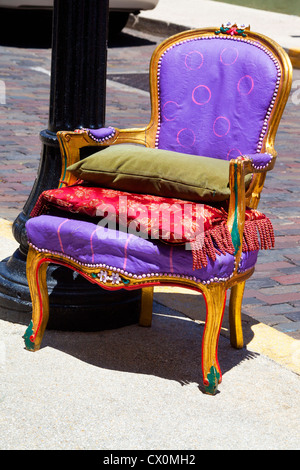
<point>94,245</point>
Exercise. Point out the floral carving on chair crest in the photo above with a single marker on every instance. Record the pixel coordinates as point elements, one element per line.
<point>233,29</point>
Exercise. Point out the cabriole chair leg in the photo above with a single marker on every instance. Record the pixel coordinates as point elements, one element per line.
<point>215,296</point>
<point>37,281</point>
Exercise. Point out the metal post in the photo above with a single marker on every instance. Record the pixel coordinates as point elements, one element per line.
<point>77,99</point>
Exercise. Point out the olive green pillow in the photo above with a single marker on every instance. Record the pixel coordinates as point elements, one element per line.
<point>163,173</point>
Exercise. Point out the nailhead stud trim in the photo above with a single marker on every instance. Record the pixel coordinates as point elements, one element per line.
<point>104,277</point>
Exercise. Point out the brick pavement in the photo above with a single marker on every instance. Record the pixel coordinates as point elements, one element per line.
<point>272,295</point>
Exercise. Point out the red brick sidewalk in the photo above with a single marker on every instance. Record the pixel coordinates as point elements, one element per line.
<point>273,294</point>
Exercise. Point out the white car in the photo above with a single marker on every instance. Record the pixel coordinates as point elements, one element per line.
<point>119,10</point>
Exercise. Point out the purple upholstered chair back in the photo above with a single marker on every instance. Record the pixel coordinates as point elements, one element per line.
<point>216,95</point>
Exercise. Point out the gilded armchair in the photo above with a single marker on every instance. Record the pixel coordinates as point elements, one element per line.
<point>214,93</point>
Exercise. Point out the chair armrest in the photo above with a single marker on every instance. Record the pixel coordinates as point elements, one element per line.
<point>239,167</point>
<point>112,135</point>
<point>259,162</point>
<point>237,202</point>
<point>71,142</point>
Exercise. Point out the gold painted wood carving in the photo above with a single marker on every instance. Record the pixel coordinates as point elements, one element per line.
<point>214,292</point>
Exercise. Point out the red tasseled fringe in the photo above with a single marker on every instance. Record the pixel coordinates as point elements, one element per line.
<point>258,234</point>
<point>210,244</point>
<point>40,207</point>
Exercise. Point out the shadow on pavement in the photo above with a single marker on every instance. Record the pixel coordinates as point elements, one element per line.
<point>126,39</point>
<point>170,349</point>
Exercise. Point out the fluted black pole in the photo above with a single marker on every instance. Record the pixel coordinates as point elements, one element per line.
<point>77,99</point>
<point>78,64</point>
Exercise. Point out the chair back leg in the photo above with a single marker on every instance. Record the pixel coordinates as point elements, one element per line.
<point>215,297</point>
<point>146,306</point>
<point>235,315</point>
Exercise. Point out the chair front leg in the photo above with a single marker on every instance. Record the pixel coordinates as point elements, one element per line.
<point>36,269</point>
<point>146,306</point>
<point>235,315</point>
<point>215,296</point>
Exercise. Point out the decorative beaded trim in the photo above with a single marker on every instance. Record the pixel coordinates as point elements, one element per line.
<point>99,140</point>
<point>103,139</point>
<point>116,278</point>
<point>255,164</point>
<point>262,167</point>
<point>226,38</point>
<point>241,270</point>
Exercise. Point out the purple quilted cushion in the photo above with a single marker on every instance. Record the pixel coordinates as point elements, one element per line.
<point>92,244</point>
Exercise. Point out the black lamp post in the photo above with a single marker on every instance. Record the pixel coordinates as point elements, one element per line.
<point>77,99</point>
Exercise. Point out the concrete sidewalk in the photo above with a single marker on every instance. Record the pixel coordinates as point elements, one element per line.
<point>177,15</point>
<point>138,388</point>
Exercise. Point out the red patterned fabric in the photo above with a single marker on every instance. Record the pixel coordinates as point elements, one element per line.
<point>170,220</point>
<point>186,218</point>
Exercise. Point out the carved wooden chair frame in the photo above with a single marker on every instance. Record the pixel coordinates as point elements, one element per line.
<point>214,292</point>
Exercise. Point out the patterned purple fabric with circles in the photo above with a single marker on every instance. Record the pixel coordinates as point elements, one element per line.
<point>92,245</point>
<point>215,96</point>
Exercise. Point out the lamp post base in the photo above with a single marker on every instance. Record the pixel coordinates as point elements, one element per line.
<point>77,99</point>
<point>75,304</point>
